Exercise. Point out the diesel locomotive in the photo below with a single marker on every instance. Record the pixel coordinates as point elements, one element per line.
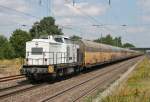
<point>58,55</point>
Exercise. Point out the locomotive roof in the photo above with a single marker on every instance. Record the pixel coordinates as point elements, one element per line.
<point>48,39</point>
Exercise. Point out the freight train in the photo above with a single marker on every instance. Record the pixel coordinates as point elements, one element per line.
<point>58,56</point>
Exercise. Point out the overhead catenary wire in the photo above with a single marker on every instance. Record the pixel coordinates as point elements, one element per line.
<point>17,11</point>
<point>21,13</point>
<point>46,4</point>
<point>28,14</point>
<point>98,23</point>
<point>71,28</point>
<point>91,17</point>
<point>85,14</point>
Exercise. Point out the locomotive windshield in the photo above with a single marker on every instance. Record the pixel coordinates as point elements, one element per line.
<point>58,40</point>
<point>37,51</point>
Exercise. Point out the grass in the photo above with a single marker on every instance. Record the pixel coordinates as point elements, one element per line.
<point>137,87</point>
<point>10,67</point>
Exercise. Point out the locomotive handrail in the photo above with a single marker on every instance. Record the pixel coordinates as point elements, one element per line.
<point>54,57</point>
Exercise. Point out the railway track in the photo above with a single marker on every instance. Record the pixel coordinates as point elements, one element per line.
<point>74,86</point>
<point>11,87</point>
<point>61,93</point>
<point>9,78</point>
<point>18,89</point>
<point>94,88</point>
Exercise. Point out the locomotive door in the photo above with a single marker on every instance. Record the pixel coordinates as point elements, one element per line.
<point>78,55</point>
<point>37,56</point>
<point>68,54</point>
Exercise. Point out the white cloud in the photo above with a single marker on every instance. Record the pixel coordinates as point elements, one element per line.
<point>75,16</point>
<point>64,21</point>
<point>10,18</point>
<point>66,9</point>
<point>144,5</point>
<point>136,29</point>
<point>87,9</point>
<point>19,5</point>
<point>146,18</point>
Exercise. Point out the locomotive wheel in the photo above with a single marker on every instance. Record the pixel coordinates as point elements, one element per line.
<point>35,78</point>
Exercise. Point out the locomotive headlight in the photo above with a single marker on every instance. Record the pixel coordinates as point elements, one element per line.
<point>50,69</point>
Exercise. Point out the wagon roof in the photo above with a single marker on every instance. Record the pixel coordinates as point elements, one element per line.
<point>92,44</point>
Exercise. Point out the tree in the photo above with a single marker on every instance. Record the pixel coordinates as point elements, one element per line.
<point>3,40</point>
<point>75,38</point>
<point>106,40</point>
<point>99,40</point>
<point>6,50</point>
<point>45,27</point>
<point>128,45</point>
<point>18,41</point>
<point>117,41</point>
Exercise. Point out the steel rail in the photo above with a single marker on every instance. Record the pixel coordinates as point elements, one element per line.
<point>75,86</point>
<point>14,77</point>
<point>31,87</point>
<point>95,87</point>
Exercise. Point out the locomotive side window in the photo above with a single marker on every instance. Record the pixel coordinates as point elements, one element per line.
<point>58,40</point>
<point>37,51</point>
<point>68,41</point>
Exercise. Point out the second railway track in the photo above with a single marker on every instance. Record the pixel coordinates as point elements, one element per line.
<point>16,90</point>
<point>9,78</point>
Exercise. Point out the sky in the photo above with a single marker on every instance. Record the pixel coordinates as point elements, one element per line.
<point>89,19</point>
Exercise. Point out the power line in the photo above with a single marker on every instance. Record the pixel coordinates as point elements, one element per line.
<point>87,15</point>
<point>24,13</point>
<point>92,18</point>
<point>47,5</point>
<point>70,28</point>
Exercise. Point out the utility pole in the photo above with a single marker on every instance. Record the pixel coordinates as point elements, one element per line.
<point>101,46</point>
<point>117,42</point>
<point>109,2</point>
<point>101,38</point>
<point>73,2</point>
<point>48,7</point>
